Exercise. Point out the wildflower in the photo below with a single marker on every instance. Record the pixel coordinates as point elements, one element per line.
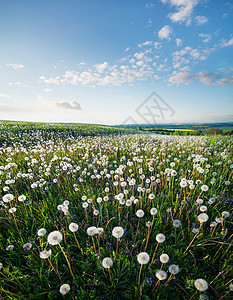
<point>164,258</point>
<point>118,232</point>
<point>64,289</point>
<point>199,201</point>
<point>148,223</point>
<point>27,246</point>
<point>174,269</point>
<point>153,211</point>
<point>204,188</point>
<point>10,247</point>
<point>107,262</point>
<point>219,220</point>
<point>12,210</point>
<point>7,198</point>
<point>1,265</point>
<point>54,238</point>
<point>99,230</point>
<point>143,258</point>
<point>183,184</point>
<point>140,213</point>
<point>160,238</point>
<point>176,223</point>
<point>91,231</point>
<point>128,202</point>
<point>161,275</point>
<point>96,212</point>
<point>45,253</point>
<point>22,198</point>
<point>201,285</point>
<point>73,227</point>
<point>203,218</point>
<point>204,297</point>
<point>85,204</point>
<point>195,230</point>
<point>225,214</point>
<point>203,208</point>
<point>41,232</point>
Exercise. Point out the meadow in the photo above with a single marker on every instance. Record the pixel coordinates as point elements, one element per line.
<point>97,212</point>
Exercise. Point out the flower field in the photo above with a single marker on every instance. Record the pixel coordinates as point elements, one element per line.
<point>90,212</point>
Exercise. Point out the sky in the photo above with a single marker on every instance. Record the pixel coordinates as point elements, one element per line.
<point>116,62</point>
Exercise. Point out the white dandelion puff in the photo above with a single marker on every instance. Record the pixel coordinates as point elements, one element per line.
<point>143,258</point>
<point>54,238</point>
<point>64,289</point>
<point>201,284</point>
<point>118,232</point>
<point>107,262</point>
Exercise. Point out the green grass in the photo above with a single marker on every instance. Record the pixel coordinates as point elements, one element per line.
<point>52,163</point>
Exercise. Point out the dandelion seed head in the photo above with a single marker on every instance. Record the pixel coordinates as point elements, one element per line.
<point>161,275</point>
<point>160,238</point>
<point>201,284</point>
<point>107,262</point>
<point>118,232</point>
<point>54,237</point>
<point>143,258</point>
<point>64,289</point>
<point>73,227</point>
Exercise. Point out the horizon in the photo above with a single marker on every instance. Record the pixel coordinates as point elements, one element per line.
<point>165,61</point>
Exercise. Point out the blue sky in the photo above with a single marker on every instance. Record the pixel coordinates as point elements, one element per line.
<point>97,61</point>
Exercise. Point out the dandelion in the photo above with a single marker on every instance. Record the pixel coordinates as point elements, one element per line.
<point>143,258</point>
<point>96,212</point>
<point>118,232</point>
<point>45,254</point>
<point>153,211</point>
<point>161,275</point>
<point>85,204</point>
<point>199,201</point>
<point>10,248</point>
<point>204,297</point>
<point>140,213</point>
<point>91,231</point>
<point>174,269</point>
<point>203,208</point>
<point>176,223</point>
<point>204,188</point>
<point>73,227</point>
<point>160,238</point>
<point>99,230</point>
<point>203,218</point>
<point>54,238</point>
<point>41,232</point>
<point>12,210</point>
<point>1,265</point>
<point>225,214</point>
<point>201,284</point>
<point>164,258</point>
<point>7,198</point>
<point>64,289</point>
<point>22,198</point>
<point>107,262</point>
<point>27,246</point>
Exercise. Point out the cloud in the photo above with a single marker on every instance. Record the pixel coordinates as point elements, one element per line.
<point>100,68</point>
<point>15,66</point>
<point>211,79</point>
<point>17,84</point>
<point>127,49</point>
<point>165,32</point>
<point>200,20</point>
<point>4,96</point>
<point>147,43</point>
<point>206,37</point>
<point>51,80</point>
<point>157,45</point>
<point>69,105</point>
<point>225,43</point>
<point>150,5</point>
<point>178,42</point>
<point>184,10</point>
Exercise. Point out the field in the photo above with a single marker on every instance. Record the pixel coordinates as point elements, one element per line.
<point>97,212</point>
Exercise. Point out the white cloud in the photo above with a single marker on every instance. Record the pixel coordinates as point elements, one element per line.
<point>206,37</point>
<point>178,42</point>
<point>100,68</point>
<point>211,79</point>
<point>127,49</point>
<point>51,80</point>
<point>184,10</point>
<point>69,105</point>
<point>157,45</point>
<point>15,66</point>
<point>17,84</point>
<point>225,43</point>
<point>147,43</point>
<point>200,20</point>
<point>165,32</point>
<point>4,96</point>
<point>149,5</point>
<point>47,90</point>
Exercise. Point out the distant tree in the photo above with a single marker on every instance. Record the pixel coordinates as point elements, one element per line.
<point>214,131</point>
<point>139,128</point>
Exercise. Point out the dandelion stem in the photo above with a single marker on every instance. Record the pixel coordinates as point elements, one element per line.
<point>71,272</point>
<point>139,275</point>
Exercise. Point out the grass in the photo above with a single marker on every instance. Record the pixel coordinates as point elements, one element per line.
<point>107,175</point>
